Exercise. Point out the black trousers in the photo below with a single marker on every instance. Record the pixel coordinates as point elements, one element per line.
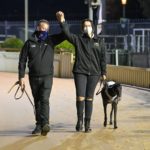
<point>85,84</point>
<point>85,87</point>
<point>41,89</point>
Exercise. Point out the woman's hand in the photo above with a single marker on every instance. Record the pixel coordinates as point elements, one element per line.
<point>103,77</point>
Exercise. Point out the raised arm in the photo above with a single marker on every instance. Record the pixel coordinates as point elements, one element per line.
<point>57,38</point>
<point>65,29</point>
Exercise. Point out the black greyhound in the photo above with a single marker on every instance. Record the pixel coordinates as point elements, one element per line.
<point>111,93</point>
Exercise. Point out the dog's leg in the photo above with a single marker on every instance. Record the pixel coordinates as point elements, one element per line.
<point>105,114</point>
<point>115,115</point>
<point>111,113</point>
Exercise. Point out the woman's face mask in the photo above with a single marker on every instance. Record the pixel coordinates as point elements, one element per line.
<point>88,29</point>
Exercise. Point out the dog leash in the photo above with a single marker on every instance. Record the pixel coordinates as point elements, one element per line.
<point>100,89</point>
<point>106,91</point>
<point>23,91</point>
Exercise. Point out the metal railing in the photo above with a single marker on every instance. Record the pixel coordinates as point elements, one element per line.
<point>125,39</point>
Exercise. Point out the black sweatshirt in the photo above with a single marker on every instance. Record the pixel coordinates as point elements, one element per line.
<point>90,56</point>
<point>40,55</point>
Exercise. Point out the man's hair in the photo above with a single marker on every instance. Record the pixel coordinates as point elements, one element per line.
<point>42,21</point>
<point>89,20</point>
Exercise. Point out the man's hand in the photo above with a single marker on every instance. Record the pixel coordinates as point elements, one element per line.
<point>103,77</point>
<point>60,16</point>
<point>22,83</point>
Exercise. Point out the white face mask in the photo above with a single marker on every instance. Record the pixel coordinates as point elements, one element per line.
<point>89,31</point>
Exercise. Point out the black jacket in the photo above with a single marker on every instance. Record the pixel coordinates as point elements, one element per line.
<point>40,55</point>
<point>90,56</point>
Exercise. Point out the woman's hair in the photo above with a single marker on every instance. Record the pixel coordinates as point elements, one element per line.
<point>89,20</point>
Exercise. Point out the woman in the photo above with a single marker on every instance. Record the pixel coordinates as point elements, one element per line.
<point>90,64</point>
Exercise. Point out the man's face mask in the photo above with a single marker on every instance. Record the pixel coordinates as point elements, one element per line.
<point>42,35</point>
<point>42,31</point>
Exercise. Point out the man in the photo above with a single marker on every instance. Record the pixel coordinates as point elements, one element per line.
<point>90,64</point>
<point>39,52</point>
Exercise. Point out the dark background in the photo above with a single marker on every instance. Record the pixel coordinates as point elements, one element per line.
<point>13,10</point>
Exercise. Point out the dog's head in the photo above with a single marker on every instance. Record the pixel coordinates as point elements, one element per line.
<point>111,89</point>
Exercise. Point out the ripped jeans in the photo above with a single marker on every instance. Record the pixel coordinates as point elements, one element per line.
<point>85,85</point>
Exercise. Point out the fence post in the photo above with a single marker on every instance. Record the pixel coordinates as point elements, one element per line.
<point>116,57</point>
<point>6,33</point>
<point>148,60</point>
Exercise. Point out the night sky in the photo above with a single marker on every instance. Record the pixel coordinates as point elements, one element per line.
<point>74,9</point>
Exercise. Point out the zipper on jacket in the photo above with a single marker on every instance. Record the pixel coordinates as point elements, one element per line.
<point>90,59</point>
<point>40,45</point>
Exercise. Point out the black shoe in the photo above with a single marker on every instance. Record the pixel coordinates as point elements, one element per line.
<point>87,130</point>
<point>87,126</point>
<point>37,130</point>
<point>79,125</point>
<point>45,129</point>
<point>80,107</point>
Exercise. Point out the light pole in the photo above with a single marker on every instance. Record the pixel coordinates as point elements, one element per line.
<point>124,2</point>
<point>26,19</point>
<point>91,5</point>
<point>90,11</point>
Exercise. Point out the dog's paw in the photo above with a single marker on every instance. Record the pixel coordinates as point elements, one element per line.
<point>105,124</point>
<point>110,123</point>
<point>115,127</point>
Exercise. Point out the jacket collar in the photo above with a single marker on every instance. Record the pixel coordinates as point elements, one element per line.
<point>33,37</point>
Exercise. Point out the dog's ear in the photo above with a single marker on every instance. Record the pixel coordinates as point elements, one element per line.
<point>117,84</point>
